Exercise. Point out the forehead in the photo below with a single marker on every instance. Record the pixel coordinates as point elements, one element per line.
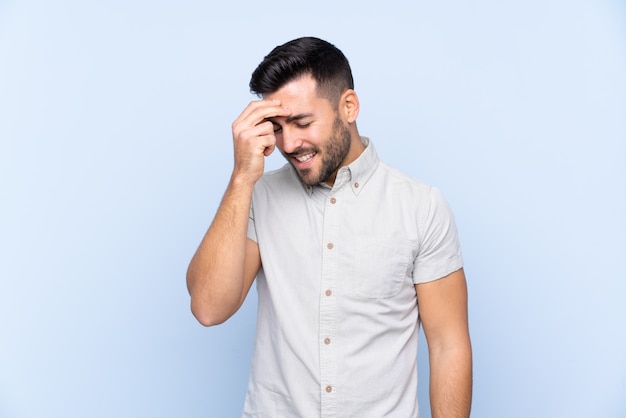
<point>300,94</point>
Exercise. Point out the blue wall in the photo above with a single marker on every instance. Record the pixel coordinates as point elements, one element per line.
<point>115,149</point>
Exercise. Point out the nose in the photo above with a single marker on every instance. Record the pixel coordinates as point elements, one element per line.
<point>289,140</point>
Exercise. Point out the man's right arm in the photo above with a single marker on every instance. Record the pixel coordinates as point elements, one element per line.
<point>224,266</point>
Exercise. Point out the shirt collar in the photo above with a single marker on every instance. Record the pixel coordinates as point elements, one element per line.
<point>363,167</point>
<point>358,172</point>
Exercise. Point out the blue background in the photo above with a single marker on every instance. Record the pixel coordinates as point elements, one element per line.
<point>115,149</point>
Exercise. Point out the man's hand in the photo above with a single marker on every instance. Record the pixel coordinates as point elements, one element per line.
<point>254,139</point>
<point>222,270</point>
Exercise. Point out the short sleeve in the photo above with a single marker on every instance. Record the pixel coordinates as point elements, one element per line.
<point>439,251</point>
<point>251,225</point>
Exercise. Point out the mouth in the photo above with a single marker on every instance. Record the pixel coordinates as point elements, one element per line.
<point>305,158</point>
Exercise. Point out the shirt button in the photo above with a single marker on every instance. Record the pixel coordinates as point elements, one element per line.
<point>329,388</point>
<point>328,292</point>
<point>333,200</point>
<point>356,185</point>
<point>326,341</point>
<point>330,246</point>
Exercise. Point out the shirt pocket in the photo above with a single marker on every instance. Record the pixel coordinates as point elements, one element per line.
<point>381,267</point>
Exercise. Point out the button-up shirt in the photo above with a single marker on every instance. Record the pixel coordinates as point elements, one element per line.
<point>337,324</point>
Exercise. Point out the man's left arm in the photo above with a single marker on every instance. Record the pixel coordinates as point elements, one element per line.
<point>443,312</point>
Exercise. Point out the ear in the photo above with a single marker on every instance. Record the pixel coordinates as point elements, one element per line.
<point>349,106</point>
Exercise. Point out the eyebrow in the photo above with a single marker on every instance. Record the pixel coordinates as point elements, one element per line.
<point>298,117</point>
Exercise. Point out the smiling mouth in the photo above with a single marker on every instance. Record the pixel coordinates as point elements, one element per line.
<point>303,158</point>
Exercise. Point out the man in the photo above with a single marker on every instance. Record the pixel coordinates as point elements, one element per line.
<point>344,249</point>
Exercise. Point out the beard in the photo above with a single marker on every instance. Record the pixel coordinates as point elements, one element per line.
<point>333,153</point>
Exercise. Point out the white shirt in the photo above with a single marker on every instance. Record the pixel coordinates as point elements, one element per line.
<point>337,322</point>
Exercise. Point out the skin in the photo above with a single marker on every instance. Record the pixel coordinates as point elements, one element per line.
<point>317,137</point>
<point>443,311</point>
<point>314,128</point>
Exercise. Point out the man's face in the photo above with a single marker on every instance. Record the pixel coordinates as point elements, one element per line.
<point>314,139</point>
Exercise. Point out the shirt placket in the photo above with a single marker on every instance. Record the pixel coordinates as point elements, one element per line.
<point>328,301</point>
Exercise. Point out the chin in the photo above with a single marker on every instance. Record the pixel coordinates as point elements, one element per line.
<point>307,178</point>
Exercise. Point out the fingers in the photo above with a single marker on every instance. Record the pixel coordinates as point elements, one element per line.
<point>259,111</point>
<point>253,124</point>
<point>269,149</point>
<point>253,136</point>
